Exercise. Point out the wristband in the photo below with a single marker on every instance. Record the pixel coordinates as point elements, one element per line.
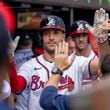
<point>102,39</point>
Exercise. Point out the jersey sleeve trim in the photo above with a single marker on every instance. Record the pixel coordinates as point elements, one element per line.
<point>92,76</point>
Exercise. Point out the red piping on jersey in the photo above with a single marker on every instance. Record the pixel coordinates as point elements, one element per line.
<point>43,66</point>
<point>17,82</point>
<point>89,68</point>
<point>90,71</point>
<point>94,56</point>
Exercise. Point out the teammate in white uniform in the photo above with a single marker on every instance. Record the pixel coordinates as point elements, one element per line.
<point>83,39</point>
<point>39,71</point>
<point>35,73</point>
<point>23,53</point>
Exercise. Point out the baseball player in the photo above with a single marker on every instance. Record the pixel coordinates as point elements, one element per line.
<point>82,100</point>
<point>35,73</point>
<point>22,54</point>
<point>83,39</point>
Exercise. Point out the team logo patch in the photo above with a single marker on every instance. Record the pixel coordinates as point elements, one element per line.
<point>37,83</point>
<point>81,27</point>
<point>66,82</point>
<point>51,22</point>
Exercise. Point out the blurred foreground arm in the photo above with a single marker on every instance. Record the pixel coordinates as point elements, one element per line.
<point>95,99</point>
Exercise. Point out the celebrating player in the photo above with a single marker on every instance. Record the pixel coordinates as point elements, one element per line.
<point>35,73</point>
<point>83,100</point>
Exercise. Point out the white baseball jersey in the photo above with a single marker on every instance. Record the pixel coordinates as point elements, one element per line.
<point>22,56</point>
<point>92,55</point>
<point>37,72</point>
<point>88,82</point>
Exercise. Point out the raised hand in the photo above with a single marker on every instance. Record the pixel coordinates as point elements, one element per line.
<point>100,17</point>
<point>101,25</point>
<point>12,47</point>
<point>14,44</point>
<point>61,56</point>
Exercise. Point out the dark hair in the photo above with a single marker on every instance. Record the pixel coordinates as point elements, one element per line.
<point>105,65</point>
<point>25,40</point>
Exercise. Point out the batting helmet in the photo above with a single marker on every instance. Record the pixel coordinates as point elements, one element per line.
<point>79,27</point>
<point>52,22</point>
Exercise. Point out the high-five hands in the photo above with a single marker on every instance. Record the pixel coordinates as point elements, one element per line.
<point>100,17</point>
<point>101,25</point>
<point>61,56</point>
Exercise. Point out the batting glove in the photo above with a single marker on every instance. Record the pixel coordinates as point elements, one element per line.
<point>12,45</point>
<point>100,19</point>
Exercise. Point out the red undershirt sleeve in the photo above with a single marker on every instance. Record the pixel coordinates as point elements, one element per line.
<point>17,82</point>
